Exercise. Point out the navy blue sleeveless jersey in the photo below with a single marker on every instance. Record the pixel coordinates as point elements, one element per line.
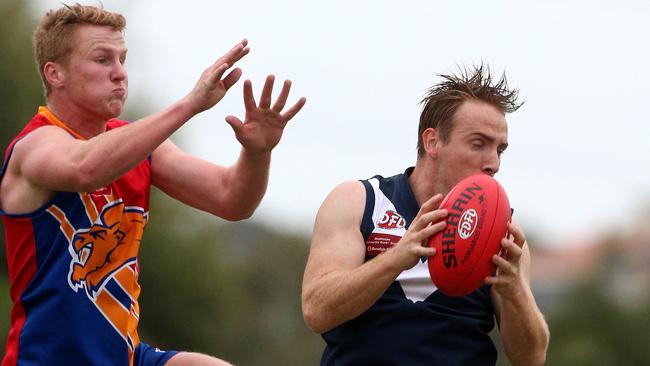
<point>412,323</point>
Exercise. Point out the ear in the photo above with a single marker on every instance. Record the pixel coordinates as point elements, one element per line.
<point>54,74</point>
<point>431,142</point>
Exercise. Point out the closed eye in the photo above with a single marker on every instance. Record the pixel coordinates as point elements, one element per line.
<point>502,149</point>
<point>477,144</point>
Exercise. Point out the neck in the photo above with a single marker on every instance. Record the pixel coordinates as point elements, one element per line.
<point>76,119</point>
<point>424,182</point>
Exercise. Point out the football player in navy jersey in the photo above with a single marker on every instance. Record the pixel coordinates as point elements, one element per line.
<point>366,286</point>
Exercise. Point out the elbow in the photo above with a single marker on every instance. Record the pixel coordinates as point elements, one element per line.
<point>231,208</point>
<point>314,317</point>
<point>535,357</point>
<point>541,357</point>
<point>87,178</point>
<point>530,359</point>
<point>313,320</point>
<point>243,214</point>
<point>538,359</point>
<point>235,215</point>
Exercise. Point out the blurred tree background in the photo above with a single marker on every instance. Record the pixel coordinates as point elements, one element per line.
<point>233,289</point>
<point>20,94</point>
<point>227,289</point>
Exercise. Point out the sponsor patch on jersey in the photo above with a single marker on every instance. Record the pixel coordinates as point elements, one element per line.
<point>378,243</point>
<point>391,220</point>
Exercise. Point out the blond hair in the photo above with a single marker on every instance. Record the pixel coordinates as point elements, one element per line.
<point>53,38</point>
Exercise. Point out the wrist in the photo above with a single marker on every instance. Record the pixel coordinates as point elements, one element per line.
<point>188,106</point>
<point>520,296</point>
<point>390,263</point>
<point>256,154</point>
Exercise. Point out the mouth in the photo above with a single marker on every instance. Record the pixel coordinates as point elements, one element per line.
<point>119,93</point>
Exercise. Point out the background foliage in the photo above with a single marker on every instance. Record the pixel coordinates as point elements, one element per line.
<point>227,289</point>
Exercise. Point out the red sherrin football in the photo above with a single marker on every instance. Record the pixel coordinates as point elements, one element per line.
<point>479,212</point>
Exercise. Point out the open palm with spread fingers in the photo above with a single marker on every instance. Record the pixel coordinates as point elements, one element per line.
<point>212,86</point>
<point>263,124</point>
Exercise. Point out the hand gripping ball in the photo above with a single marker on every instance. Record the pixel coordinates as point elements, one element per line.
<point>479,212</point>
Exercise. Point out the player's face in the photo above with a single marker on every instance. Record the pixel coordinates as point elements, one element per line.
<point>96,81</point>
<point>478,137</point>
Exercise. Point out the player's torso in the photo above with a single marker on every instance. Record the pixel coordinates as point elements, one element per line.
<point>412,323</point>
<point>73,270</point>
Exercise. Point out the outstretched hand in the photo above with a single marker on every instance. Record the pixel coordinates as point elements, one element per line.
<point>211,87</point>
<point>263,125</point>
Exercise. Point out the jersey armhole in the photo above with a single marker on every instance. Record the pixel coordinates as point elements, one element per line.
<point>5,162</point>
<point>366,222</point>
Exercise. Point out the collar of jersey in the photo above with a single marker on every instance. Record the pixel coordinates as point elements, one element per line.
<point>43,111</point>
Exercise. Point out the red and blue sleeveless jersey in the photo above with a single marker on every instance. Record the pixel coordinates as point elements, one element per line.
<point>73,269</point>
<point>412,323</point>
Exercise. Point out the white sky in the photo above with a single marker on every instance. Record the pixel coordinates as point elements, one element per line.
<point>579,150</point>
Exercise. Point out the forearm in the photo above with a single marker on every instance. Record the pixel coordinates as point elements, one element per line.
<point>524,331</point>
<point>245,183</point>
<point>106,157</point>
<point>343,295</point>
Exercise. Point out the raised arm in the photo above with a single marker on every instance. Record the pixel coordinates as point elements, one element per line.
<point>338,285</point>
<point>49,159</point>
<point>524,331</point>
<point>231,192</point>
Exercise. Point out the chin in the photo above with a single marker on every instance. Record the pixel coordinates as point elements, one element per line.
<point>111,114</point>
<point>115,110</point>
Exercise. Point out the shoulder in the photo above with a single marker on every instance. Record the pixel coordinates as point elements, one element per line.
<point>345,203</point>
<point>35,124</point>
<point>351,187</point>
<point>349,193</point>
<point>41,138</point>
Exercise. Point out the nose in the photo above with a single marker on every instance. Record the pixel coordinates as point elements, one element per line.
<point>119,72</point>
<point>491,164</point>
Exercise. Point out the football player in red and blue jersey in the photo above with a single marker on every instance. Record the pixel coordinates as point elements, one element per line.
<point>75,183</point>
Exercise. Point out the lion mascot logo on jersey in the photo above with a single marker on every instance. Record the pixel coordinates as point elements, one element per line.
<point>104,260</point>
<point>107,245</point>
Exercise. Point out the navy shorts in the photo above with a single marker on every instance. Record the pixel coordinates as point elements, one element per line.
<point>145,355</point>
